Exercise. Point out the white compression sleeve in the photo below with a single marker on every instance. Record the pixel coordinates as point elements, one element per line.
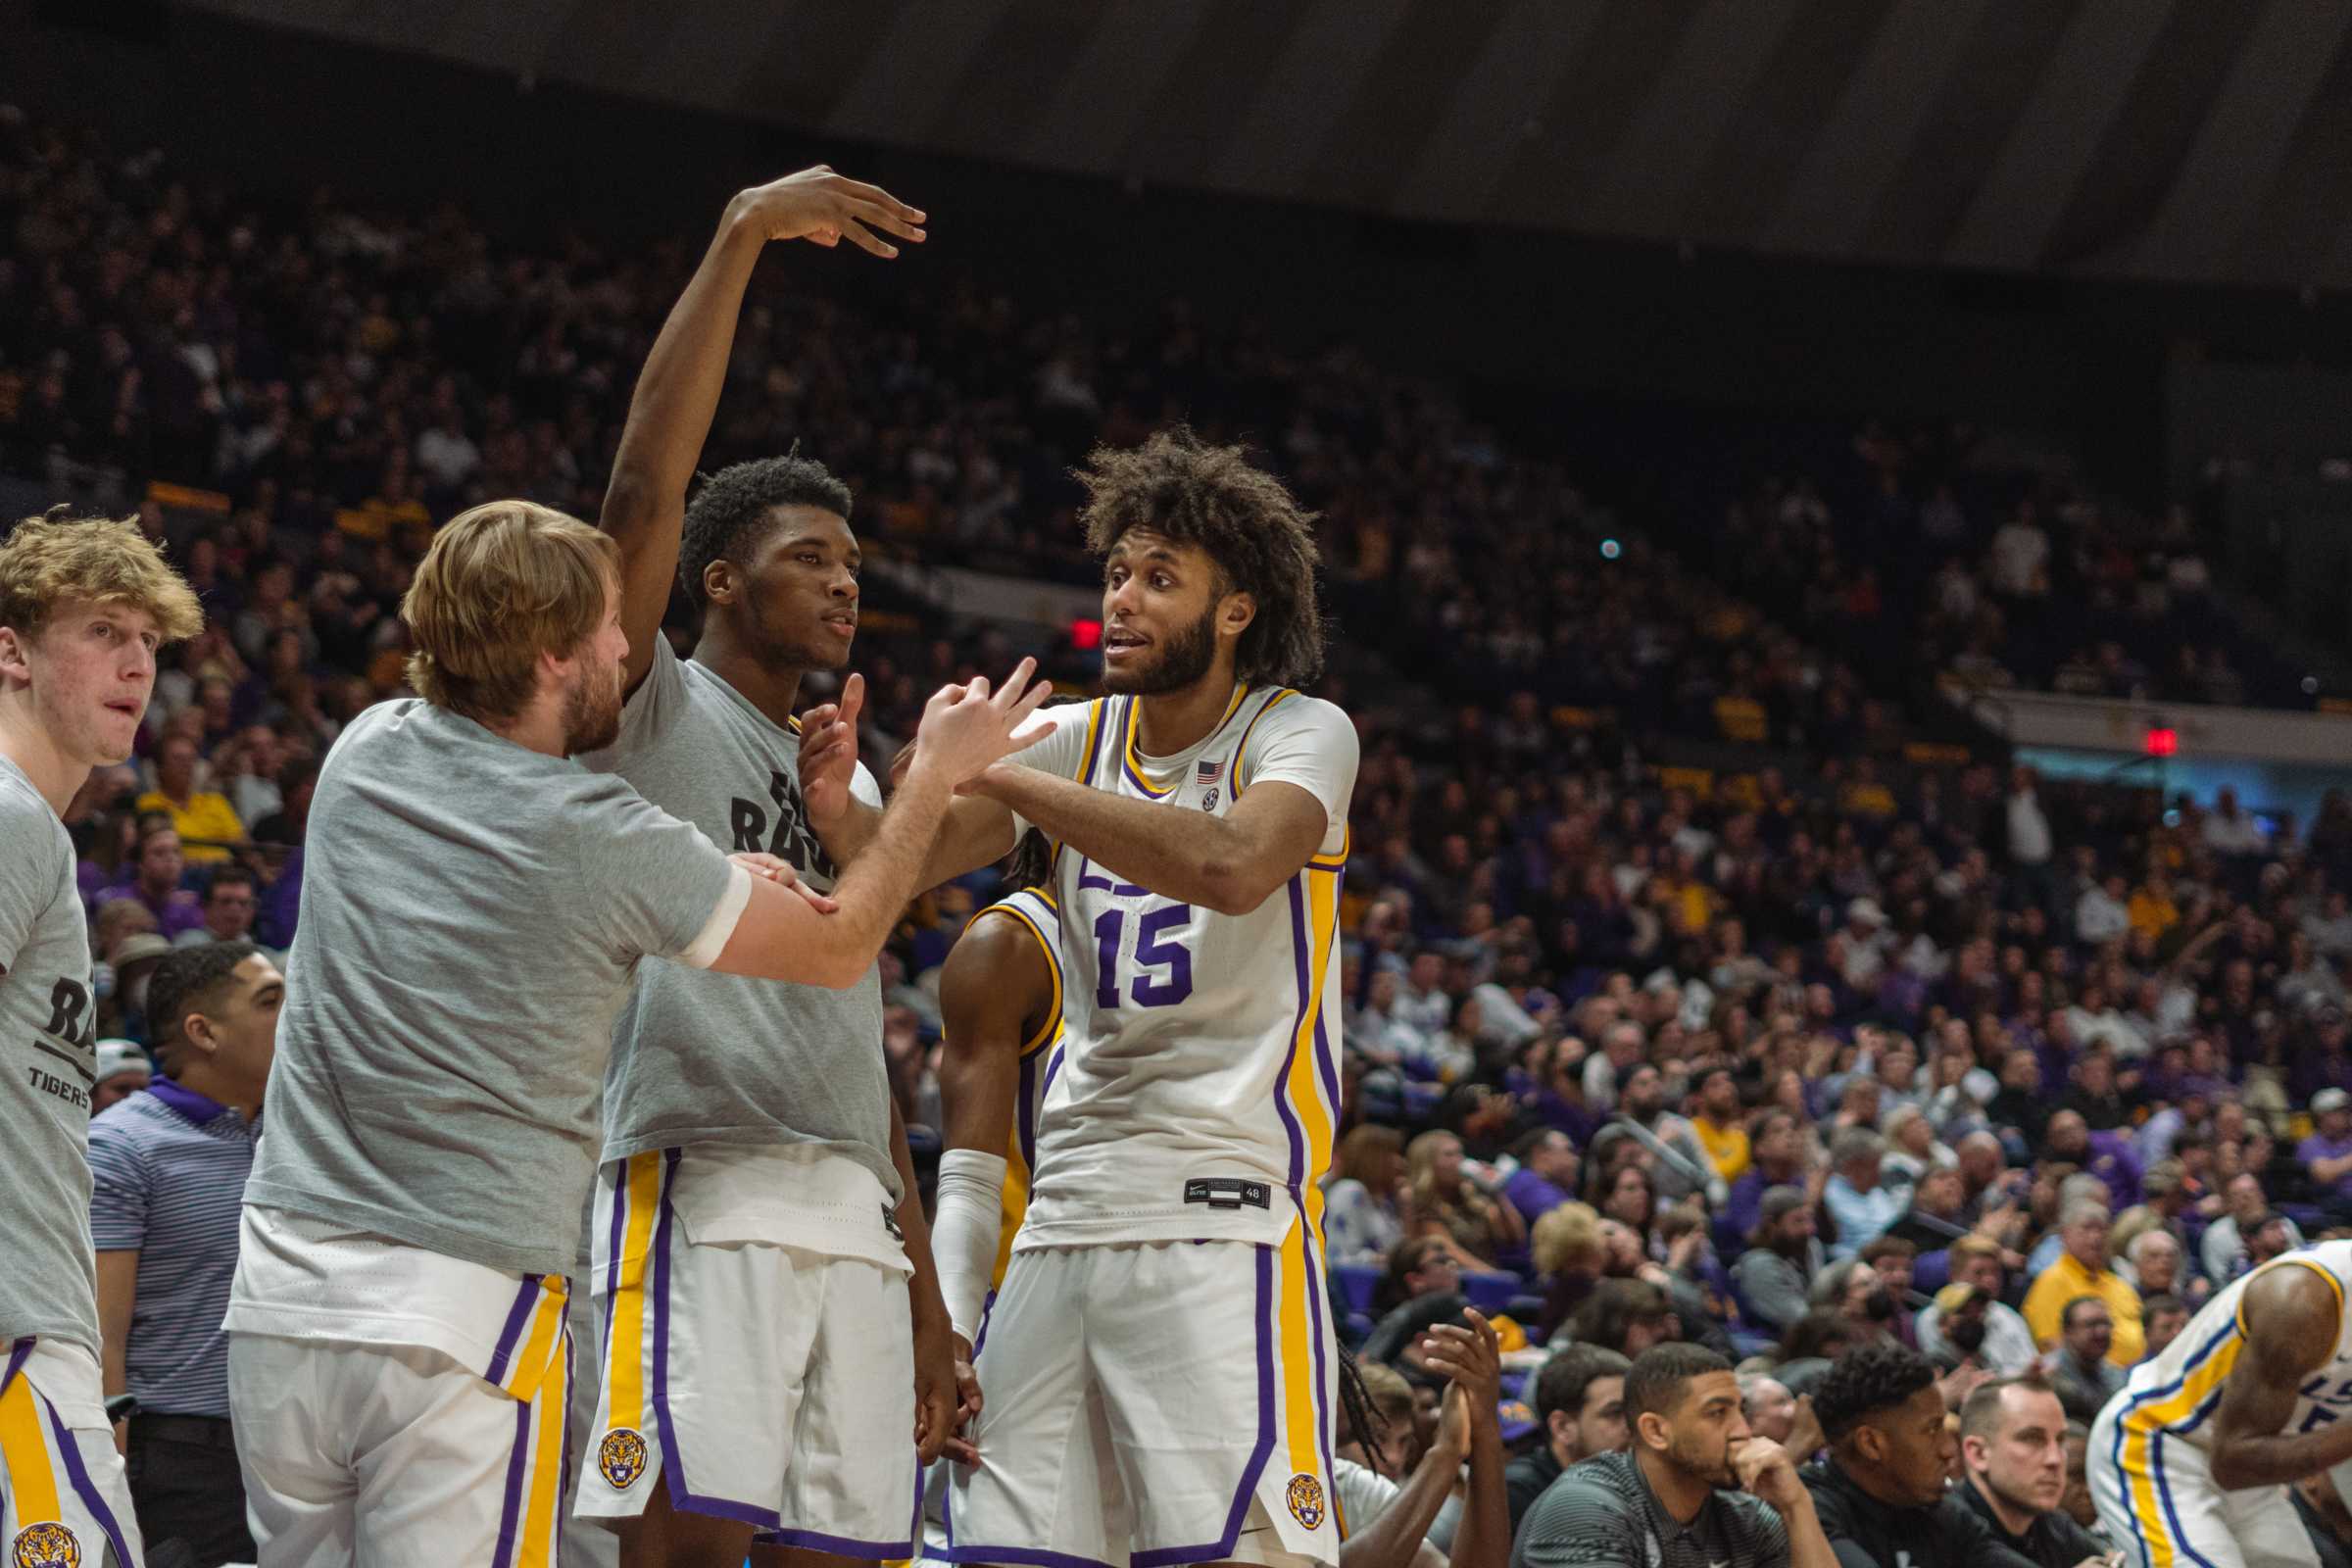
<point>967,1225</point>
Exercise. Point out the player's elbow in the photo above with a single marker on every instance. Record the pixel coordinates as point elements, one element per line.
<point>837,969</point>
<point>1230,887</point>
<point>2228,1471</point>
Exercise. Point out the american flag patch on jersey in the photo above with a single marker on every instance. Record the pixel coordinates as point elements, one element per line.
<point>1207,772</point>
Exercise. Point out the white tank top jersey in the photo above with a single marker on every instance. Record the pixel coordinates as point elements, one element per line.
<point>1033,911</point>
<point>1198,1087</point>
<point>2171,1398</point>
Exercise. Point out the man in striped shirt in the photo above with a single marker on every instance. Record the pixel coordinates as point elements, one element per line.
<point>169,1167</point>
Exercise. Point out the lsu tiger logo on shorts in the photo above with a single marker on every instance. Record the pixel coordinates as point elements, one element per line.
<point>621,1459</point>
<point>1305,1495</point>
<point>44,1545</point>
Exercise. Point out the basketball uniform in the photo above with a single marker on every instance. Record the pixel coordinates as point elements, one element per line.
<point>1159,1366</point>
<point>758,1352</point>
<point>63,1496</point>
<point>1033,909</point>
<point>2150,1448</point>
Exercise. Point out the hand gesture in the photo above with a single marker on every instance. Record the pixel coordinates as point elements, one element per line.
<point>767,869</point>
<point>966,728</point>
<point>829,755</point>
<point>823,206</point>
<point>959,1447</point>
<point>936,1392</point>
<point>1473,1358</point>
<point>1766,1472</point>
<point>1805,1436</point>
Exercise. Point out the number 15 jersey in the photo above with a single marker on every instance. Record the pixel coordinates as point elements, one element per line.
<point>1199,1086</point>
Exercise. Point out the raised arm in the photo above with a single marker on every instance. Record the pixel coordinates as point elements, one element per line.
<point>2292,1316</point>
<point>677,393</point>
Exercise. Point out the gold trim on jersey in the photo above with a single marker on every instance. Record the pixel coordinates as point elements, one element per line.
<point>1319,912</point>
<point>1133,761</point>
<point>1052,1027</point>
<point>641,1192</point>
<point>1241,754</point>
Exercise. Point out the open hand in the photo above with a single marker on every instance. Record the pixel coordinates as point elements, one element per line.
<point>965,728</point>
<point>768,868</point>
<point>823,206</point>
<point>829,755</point>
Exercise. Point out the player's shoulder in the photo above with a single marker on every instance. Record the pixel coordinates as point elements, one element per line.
<point>1027,914</point>
<point>1288,711</point>
<point>29,827</point>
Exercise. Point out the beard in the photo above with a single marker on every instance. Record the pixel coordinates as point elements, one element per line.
<point>592,711</point>
<point>1183,660</point>
<point>1709,1463</point>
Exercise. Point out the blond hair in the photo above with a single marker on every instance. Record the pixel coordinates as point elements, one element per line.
<point>1567,1241</point>
<point>502,584</point>
<point>55,559</point>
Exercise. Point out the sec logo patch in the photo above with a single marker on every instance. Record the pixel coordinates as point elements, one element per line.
<point>621,1459</point>
<point>45,1545</point>
<point>1305,1495</point>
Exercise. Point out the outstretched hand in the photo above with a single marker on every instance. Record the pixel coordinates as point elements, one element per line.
<point>829,755</point>
<point>966,728</point>
<point>823,206</point>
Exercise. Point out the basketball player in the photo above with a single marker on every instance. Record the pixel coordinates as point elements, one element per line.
<point>1159,1365</point>
<point>84,604</point>
<point>2190,1464</point>
<point>476,905</point>
<point>762,1257</point>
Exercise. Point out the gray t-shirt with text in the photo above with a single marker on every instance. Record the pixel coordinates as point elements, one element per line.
<point>472,914</point>
<point>48,1047</point>
<point>717,1059</point>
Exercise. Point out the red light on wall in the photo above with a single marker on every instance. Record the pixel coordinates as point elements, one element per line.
<point>1086,634</point>
<point>2163,742</point>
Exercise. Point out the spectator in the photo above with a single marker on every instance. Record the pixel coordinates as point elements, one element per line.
<point>1546,1174</point>
<point>2227,830</point>
<point>1776,1413</point>
<point>206,824</point>
<point>1891,1259</point>
<point>2082,1269</point>
<point>1852,1289</point>
<point>2326,1519</point>
<point>1444,1201</point>
<point>1858,1206</point>
<point>1717,1126</point>
<point>1580,1411</point>
<point>229,905</point>
<point>2326,1154</point>
<point>2008,1347</point>
<point>1881,1493</point>
<point>2013,1443</point>
<point>154,882</point>
<point>1775,1276</point>
<point>1394,1527</point>
<point>122,1070</point>
<point>1778,1160</point>
<point>1811,1346</point>
<point>1697,1486</point>
<point>2103,913</point>
<point>168,1169</point>
<point>1683,1167</point>
<point>2222,1249</point>
<point>2162,1317</point>
<point>1627,1316</point>
<point>2153,1263</point>
<point>1419,1266</point>
<point>1363,1206</point>
<point>2079,1504</point>
<point>2080,1369</point>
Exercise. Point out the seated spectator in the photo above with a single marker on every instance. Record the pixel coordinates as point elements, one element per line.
<point>2162,1318</point>
<point>2079,1367</point>
<point>1444,1202</point>
<point>2082,1269</point>
<point>1393,1526</point>
<point>1777,1160</point>
<point>1718,1127</point>
<point>2108,1155</point>
<point>1881,1493</point>
<point>1858,1206</point>
<point>1579,1402</point>
<point>1912,1149</point>
<point>1695,1486</point>
<point>2152,1264</point>
<point>2007,1348</point>
<point>2222,1249</point>
<point>1545,1177</point>
<point>1775,1276</point>
<point>2326,1154</point>
<point>2013,1447</point>
<point>1891,1256</point>
<point>231,901</point>
<point>1363,1214</point>
<point>1631,1197</point>
<point>121,1071</point>
<point>2101,913</point>
<point>1812,1345</point>
<point>1570,1255</point>
<point>154,882</point>
<point>1627,1316</point>
<point>1774,1413</point>
<point>1420,1265</point>
<point>1681,1167</point>
<point>206,824</point>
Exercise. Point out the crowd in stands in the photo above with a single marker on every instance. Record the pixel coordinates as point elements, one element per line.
<point>1942,1056</point>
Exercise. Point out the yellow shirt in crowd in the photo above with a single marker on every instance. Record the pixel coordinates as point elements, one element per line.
<point>207,815</point>
<point>2066,1279</point>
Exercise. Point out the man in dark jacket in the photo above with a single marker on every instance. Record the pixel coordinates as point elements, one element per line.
<point>1580,1408</point>
<point>2013,1442</point>
<point>1880,1493</point>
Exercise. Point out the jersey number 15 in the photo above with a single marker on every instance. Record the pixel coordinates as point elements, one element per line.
<point>1154,950</point>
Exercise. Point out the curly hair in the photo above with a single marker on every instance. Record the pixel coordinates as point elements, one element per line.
<point>1859,1383</point>
<point>735,504</point>
<point>1262,541</point>
<point>57,558</point>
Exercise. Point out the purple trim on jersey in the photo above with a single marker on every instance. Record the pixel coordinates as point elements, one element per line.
<point>620,1210</point>
<point>682,1496</point>
<point>92,1500</point>
<point>1025,1117</point>
<point>840,1546</point>
<point>511,1511</point>
<point>1247,1492</point>
<point>1052,1067</point>
<point>1023,1557</point>
<point>2164,1492</point>
<point>508,1336</point>
<point>1093,750</point>
<point>17,1353</point>
<point>1317,1322</point>
<point>1326,1059</point>
<point>1290,1122</point>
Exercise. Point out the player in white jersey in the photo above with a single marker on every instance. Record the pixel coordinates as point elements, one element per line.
<point>2189,1464</point>
<point>1159,1362</point>
<point>84,604</point>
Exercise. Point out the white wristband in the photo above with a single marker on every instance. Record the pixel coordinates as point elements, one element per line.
<point>967,1226</point>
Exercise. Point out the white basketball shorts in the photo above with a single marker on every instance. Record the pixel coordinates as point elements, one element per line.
<point>65,1501</point>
